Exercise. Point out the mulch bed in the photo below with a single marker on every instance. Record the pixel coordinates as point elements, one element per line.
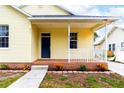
<point>76,72</point>
<point>82,80</point>
<point>4,74</point>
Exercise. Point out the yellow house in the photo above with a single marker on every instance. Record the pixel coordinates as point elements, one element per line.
<point>28,33</point>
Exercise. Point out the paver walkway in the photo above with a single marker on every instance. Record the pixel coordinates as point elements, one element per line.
<point>116,67</point>
<point>32,79</point>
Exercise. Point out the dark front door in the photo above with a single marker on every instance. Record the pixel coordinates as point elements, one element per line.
<point>45,41</point>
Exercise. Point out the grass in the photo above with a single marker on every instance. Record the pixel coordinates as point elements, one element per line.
<point>62,78</point>
<point>48,77</point>
<point>5,83</point>
<point>68,85</point>
<point>94,80</point>
<point>113,82</point>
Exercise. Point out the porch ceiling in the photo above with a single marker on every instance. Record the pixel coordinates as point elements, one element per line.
<point>65,24</point>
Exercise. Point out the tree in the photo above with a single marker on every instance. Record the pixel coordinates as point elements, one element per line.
<point>95,36</point>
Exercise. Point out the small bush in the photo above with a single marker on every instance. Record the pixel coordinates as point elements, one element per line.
<point>4,67</point>
<point>102,67</point>
<point>59,67</point>
<point>110,54</point>
<point>83,68</point>
<point>26,67</point>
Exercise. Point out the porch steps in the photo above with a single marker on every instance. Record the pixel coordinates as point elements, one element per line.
<point>39,67</point>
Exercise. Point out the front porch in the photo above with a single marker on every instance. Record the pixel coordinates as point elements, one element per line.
<point>65,39</point>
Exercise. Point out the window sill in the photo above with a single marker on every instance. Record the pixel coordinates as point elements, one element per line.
<point>4,48</point>
<point>73,48</point>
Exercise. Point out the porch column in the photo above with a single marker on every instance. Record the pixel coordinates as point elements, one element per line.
<point>106,45</point>
<point>69,27</point>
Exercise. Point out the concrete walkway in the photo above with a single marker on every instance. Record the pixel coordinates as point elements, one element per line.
<point>32,79</point>
<point>116,67</point>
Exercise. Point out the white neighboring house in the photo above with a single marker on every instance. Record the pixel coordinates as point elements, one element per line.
<point>115,43</point>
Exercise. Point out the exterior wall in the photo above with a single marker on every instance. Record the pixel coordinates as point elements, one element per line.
<point>85,44</point>
<point>19,36</point>
<point>59,43</point>
<point>35,43</point>
<point>44,10</point>
<point>117,37</point>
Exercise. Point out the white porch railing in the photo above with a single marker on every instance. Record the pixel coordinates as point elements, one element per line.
<point>84,54</point>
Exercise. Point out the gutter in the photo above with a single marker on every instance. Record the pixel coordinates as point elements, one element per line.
<point>113,18</point>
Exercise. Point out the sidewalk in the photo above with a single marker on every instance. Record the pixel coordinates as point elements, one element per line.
<point>32,79</point>
<point>116,67</point>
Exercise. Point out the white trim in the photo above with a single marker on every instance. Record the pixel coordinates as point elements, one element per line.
<point>5,48</point>
<point>40,48</point>
<point>6,37</point>
<point>21,11</point>
<point>73,18</point>
<point>39,45</point>
<point>69,27</point>
<point>106,44</point>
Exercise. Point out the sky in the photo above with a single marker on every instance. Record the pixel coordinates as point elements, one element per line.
<point>104,10</point>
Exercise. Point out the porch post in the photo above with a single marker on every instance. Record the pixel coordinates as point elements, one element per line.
<point>69,42</point>
<point>106,45</point>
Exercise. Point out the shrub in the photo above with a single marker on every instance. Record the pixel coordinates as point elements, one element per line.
<point>26,67</point>
<point>102,67</point>
<point>110,53</point>
<point>4,67</point>
<point>83,68</point>
<point>59,67</point>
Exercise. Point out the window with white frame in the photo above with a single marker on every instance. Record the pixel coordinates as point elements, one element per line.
<point>4,36</point>
<point>112,47</point>
<point>109,47</point>
<point>73,40</point>
<point>122,45</point>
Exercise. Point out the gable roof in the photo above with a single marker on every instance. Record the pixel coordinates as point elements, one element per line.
<point>21,11</point>
<point>65,9</point>
<point>29,15</point>
<point>71,14</point>
<point>108,34</point>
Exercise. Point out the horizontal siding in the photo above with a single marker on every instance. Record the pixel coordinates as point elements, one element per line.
<point>19,36</point>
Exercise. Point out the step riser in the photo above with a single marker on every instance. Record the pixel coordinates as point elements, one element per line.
<point>39,67</point>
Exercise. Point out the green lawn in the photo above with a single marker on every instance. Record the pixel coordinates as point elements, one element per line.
<point>99,80</point>
<point>5,83</point>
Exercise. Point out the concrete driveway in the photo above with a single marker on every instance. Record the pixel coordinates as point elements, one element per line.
<point>116,67</point>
